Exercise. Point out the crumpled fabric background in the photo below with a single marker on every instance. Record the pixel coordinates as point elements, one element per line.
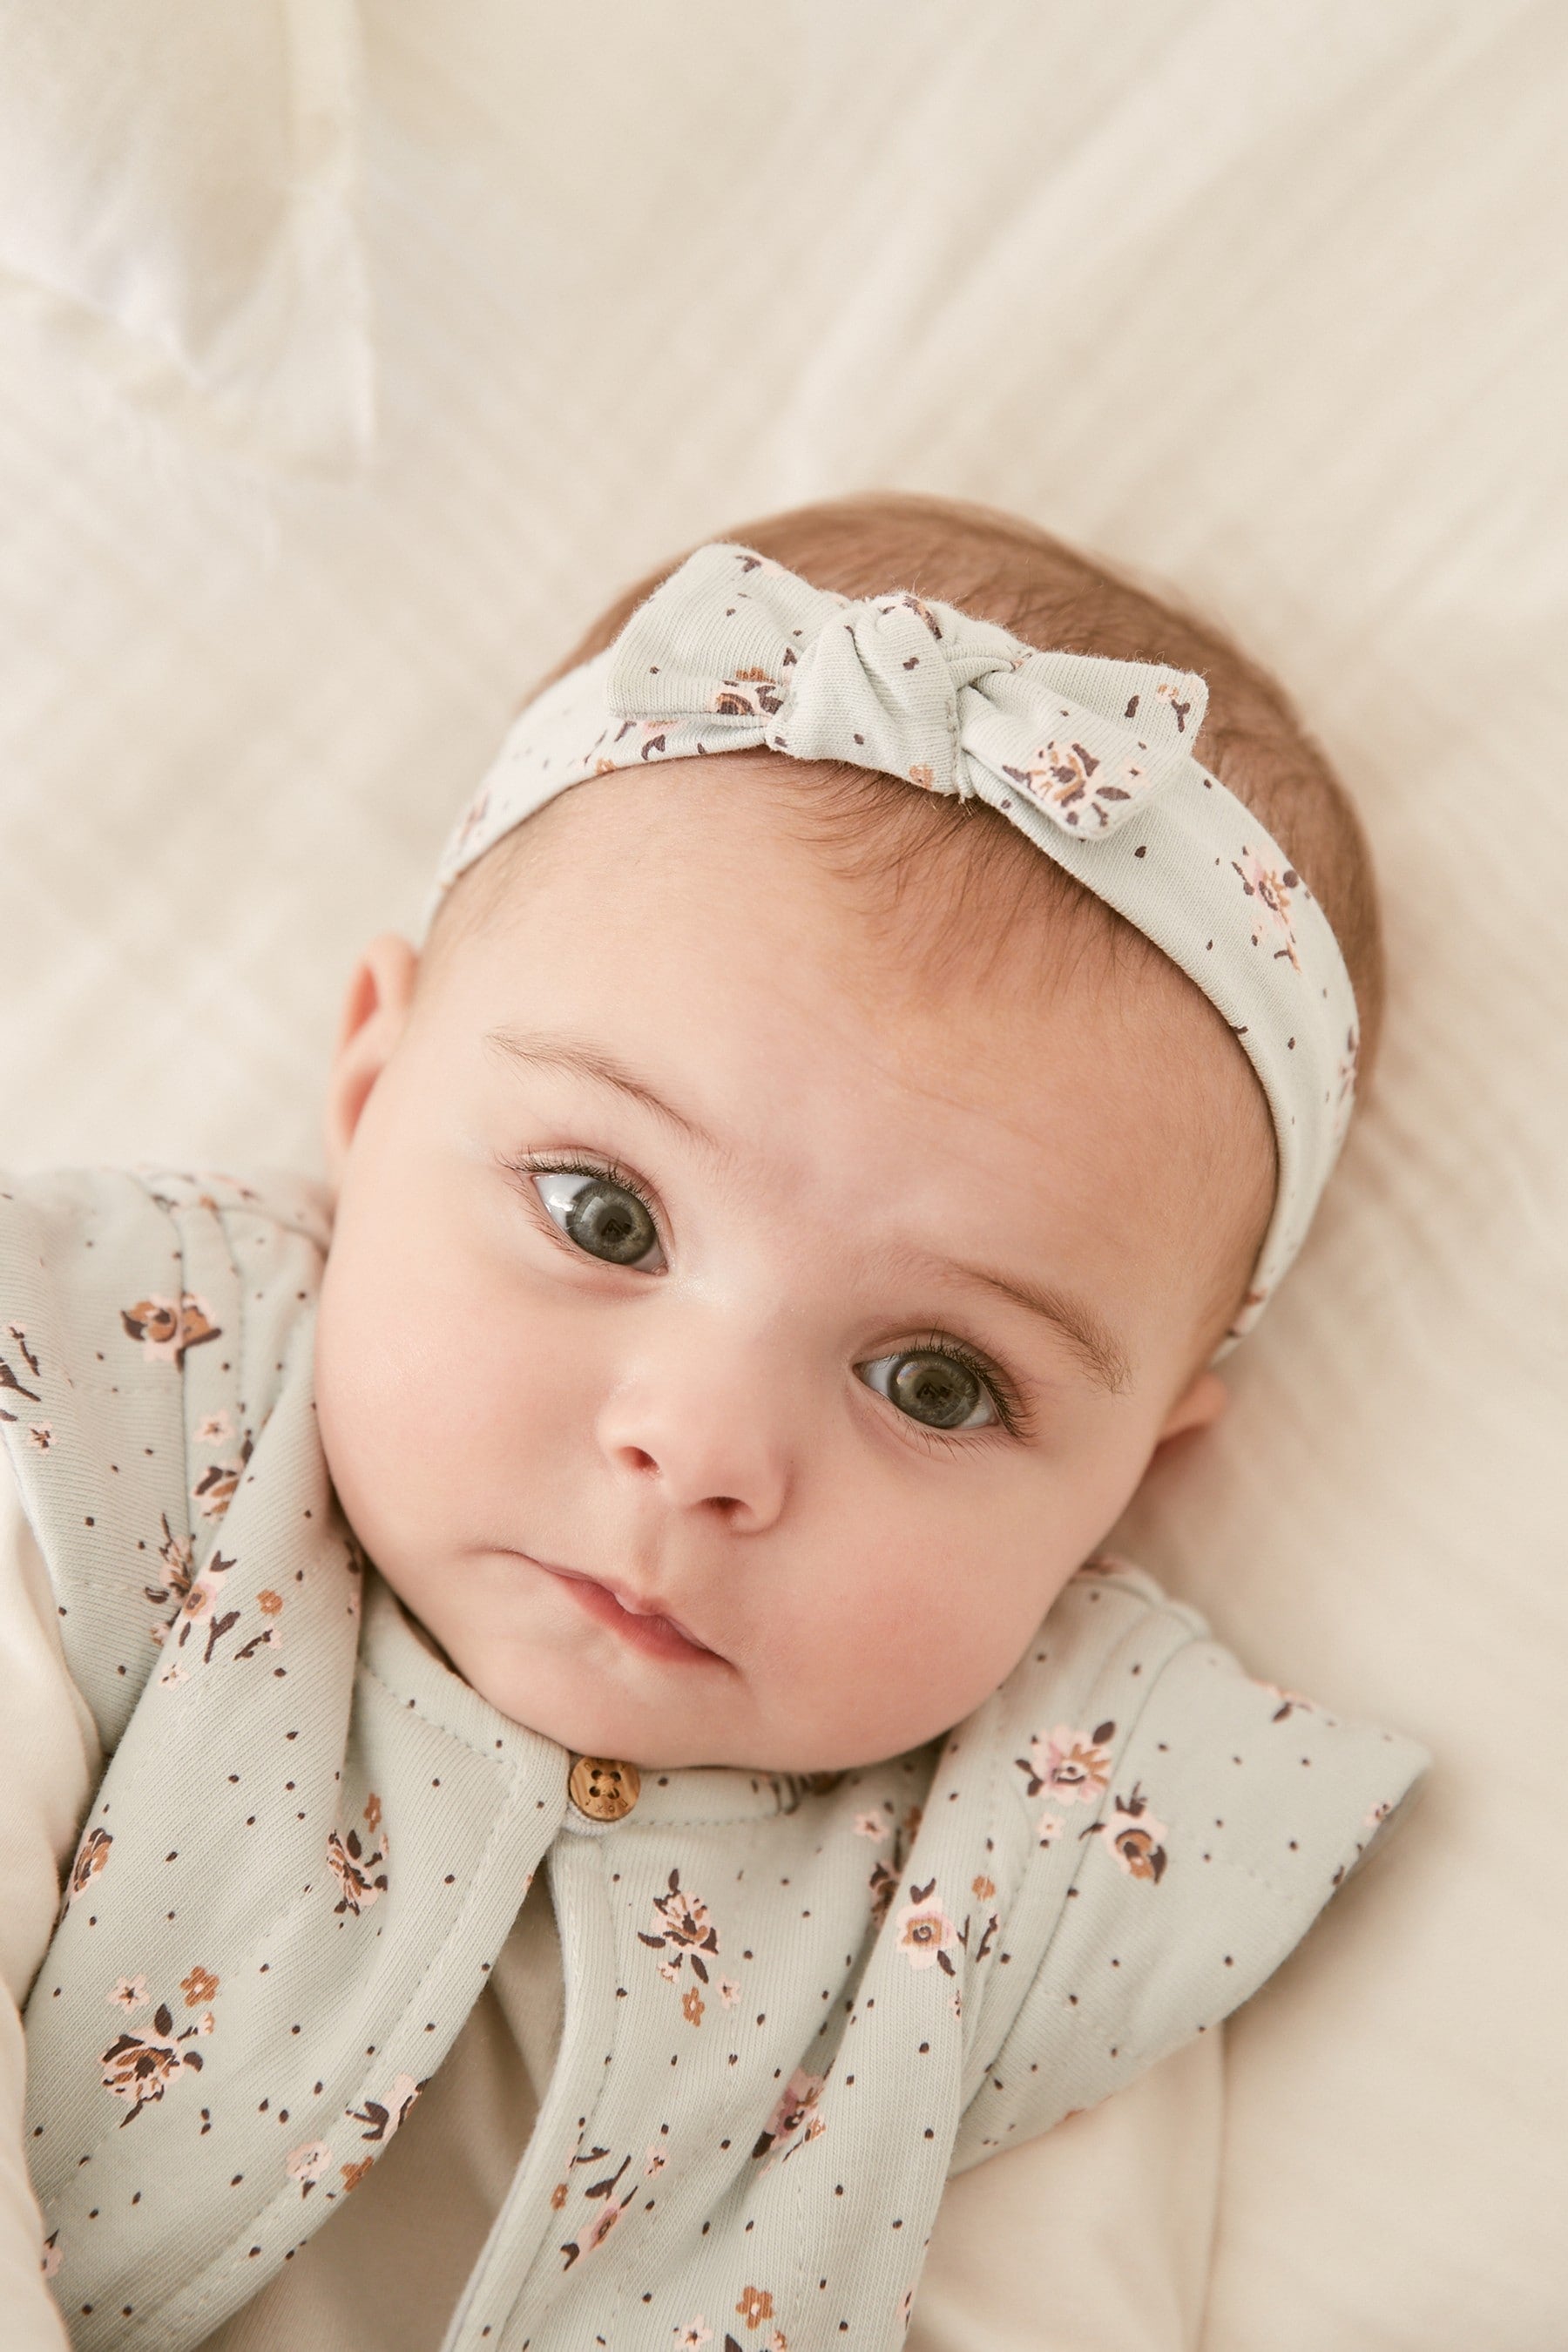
<point>1264,301</point>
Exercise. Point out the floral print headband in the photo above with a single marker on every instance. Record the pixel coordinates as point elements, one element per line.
<point>1090,758</point>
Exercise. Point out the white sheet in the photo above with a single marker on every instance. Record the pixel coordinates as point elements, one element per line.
<point>1264,300</point>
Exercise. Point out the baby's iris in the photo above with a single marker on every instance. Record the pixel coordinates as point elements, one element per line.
<point>932,1387</point>
<point>603,1218</point>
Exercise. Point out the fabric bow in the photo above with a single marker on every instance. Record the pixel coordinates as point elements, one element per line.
<point>757,655</point>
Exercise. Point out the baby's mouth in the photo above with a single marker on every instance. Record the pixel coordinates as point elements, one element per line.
<point>645,1628</point>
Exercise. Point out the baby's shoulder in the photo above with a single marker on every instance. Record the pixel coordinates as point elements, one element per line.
<point>150,1321</point>
<point>1128,1722</point>
<point>1164,1826</point>
<point>1108,1636</point>
<point>52,1218</point>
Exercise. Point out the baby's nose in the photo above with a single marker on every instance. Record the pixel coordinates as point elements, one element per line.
<point>707,1435</point>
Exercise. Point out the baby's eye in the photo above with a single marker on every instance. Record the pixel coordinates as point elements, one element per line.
<point>941,1391</point>
<point>602,1216</point>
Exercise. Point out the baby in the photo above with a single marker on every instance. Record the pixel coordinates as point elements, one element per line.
<point>880,1038</point>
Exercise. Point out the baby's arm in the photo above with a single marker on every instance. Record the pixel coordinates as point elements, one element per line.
<point>49,1764</point>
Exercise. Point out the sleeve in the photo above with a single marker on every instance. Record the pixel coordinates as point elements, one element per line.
<point>49,1764</point>
<point>1188,1824</point>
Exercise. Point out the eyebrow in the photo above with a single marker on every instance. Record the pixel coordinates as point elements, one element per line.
<point>1092,1340</point>
<point>1098,1349</point>
<point>590,1061</point>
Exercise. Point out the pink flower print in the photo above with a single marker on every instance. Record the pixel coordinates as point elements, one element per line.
<point>11,1382</point>
<point>684,1931</point>
<point>883,1884</point>
<point>216,1490</point>
<point>130,1994</point>
<point>169,1328</point>
<point>728,1992</point>
<point>922,775</point>
<point>793,2111</point>
<point>385,2117</point>
<point>41,1435</point>
<point>1272,892</point>
<point>776,2340</point>
<point>140,2067</point>
<point>1075,1766</point>
<point>654,2162</point>
<point>92,1860</point>
<point>202,1595</point>
<point>926,1934</point>
<point>215,1430</point>
<point>694,2334</point>
<point>1290,1702</point>
<point>1380,1812</point>
<point>871,1825</point>
<point>1134,1837</point>
<point>1048,1827</point>
<point>177,1553</point>
<point>1065,778</point>
<point>608,2216</point>
<point>749,694</point>
<point>173,1673</point>
<point>307,2163</point>
<point>907,602</point>
<point>352,1864</point>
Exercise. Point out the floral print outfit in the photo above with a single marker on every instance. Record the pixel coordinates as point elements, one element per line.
<point>794,2006</point>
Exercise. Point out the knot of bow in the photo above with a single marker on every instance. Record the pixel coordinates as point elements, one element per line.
<point>749,654</point>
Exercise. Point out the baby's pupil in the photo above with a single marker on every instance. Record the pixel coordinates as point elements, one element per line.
<point>610,1223</point>
<point>937,1389</point>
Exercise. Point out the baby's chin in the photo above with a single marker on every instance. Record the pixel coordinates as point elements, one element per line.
<point>677,1728</point>
<point>667,1744</point>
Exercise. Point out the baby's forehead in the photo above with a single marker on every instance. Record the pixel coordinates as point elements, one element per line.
<point>787,947</point>
<point>811,887</point>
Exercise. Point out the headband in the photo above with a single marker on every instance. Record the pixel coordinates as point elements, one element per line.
<point>1091,758</point>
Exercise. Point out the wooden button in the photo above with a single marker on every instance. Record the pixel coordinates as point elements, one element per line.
<point>603,1789</point>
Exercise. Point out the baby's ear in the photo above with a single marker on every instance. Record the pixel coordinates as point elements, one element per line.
<point>1198,1406</point>
<point>375,1008</point>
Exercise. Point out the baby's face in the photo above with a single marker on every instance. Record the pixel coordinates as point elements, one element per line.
<point>729,1347</point>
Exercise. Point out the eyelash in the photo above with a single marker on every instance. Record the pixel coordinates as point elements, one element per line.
<point>1013,1414</point>
<point>543,1164</point>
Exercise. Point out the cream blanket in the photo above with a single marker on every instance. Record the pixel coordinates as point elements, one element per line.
<point>1263,298</point>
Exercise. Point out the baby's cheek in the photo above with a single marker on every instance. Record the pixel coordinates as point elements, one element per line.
<point>400,1348</point>
<point>913,1631</point>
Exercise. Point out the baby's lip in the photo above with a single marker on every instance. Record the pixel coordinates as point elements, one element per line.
<point>629,1603</point>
